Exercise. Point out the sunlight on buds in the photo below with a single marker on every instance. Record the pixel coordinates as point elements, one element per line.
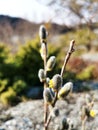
<point>41,75</point>
<point>65,90</point>
<point>47,81</point>
<point>48,95</point>
<point>56,82</point>
<point>42,33</point>
<point>51,63</point>
<point>43,50</point>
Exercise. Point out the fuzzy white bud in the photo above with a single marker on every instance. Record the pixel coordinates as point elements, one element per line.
<point>48,95</point>
<point>47,81</point>
<point>43,50</point>
<point>55,82</point>
<point>65,90</point>
<point>50,63</point>
<point>42,33</point>
<point>41,75</point>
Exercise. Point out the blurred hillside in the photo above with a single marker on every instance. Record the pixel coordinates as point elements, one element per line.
<point>13,29</point>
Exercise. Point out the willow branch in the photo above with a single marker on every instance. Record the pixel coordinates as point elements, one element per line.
<point>49,117</point>
<point>83,123</point>
<point>70,51</point>
<point>45,85</point>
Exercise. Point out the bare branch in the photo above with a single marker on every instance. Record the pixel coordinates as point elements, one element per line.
<point>70,51</point>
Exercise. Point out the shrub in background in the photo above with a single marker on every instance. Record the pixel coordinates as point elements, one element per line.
<point>18,71</point>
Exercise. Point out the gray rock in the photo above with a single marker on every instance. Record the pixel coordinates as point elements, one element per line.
<point>29,115</point>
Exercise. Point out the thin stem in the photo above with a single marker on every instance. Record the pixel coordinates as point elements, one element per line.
<point>45,115</point>
<point>48,121</point>
<point>83,123</point>
<point>45,85</point>
<point>49,117</point>
<point>45,60</point>
<point>71,49</point>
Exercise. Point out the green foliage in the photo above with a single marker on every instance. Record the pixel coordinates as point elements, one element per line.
<point>85,88</point>
<point>18,71</point>
<point>86,73</point>
<point>84,38</point>
<point>19,87</point>
<point>3,84</point>
<point>4,53</point>
<point>8,96</point>
<point>27,62</point>
<point>69,75</point>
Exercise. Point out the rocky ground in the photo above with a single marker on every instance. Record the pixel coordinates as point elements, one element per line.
<point>29,115</point>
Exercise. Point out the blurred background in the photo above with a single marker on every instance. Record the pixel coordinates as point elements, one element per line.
<point>20,58</point>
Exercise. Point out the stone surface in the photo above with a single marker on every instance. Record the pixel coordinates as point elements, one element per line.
<point>29,115</point>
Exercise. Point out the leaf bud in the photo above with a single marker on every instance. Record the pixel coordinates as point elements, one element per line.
<point>65,90</point>
<point>48,95</point>
<point>85,112</point>
<point>47,81</point>
<point>64,123</point>
<point>50,63</point>
<point>43,50</point>
<point>42,33</point>
<point>55,112</point>
<point>56,82</point>
<point>41,75</point>
<point>88,98</point>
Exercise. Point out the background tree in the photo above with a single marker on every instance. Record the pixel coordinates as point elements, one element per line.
<point>78,12</point>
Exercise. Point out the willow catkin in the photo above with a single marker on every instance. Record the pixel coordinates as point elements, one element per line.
<point>65,90</point>
<point>43,50</point>
<point>64,124</point>
<point>48,95</point>
<point>54,112</point>
<point>42,33</point>
<point>51,63</point>
<point>41,75</point>
<point>47,81</point>
<point>56,82</point>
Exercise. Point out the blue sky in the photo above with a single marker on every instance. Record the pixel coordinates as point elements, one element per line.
<point>28,9</point>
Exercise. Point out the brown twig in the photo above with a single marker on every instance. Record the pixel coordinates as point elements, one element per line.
<point>48,121</point>
<point>83,123</point>
<point>43,40</point>
<point>71,49</point>
<point>49,117</point>
<point>45,85</point>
